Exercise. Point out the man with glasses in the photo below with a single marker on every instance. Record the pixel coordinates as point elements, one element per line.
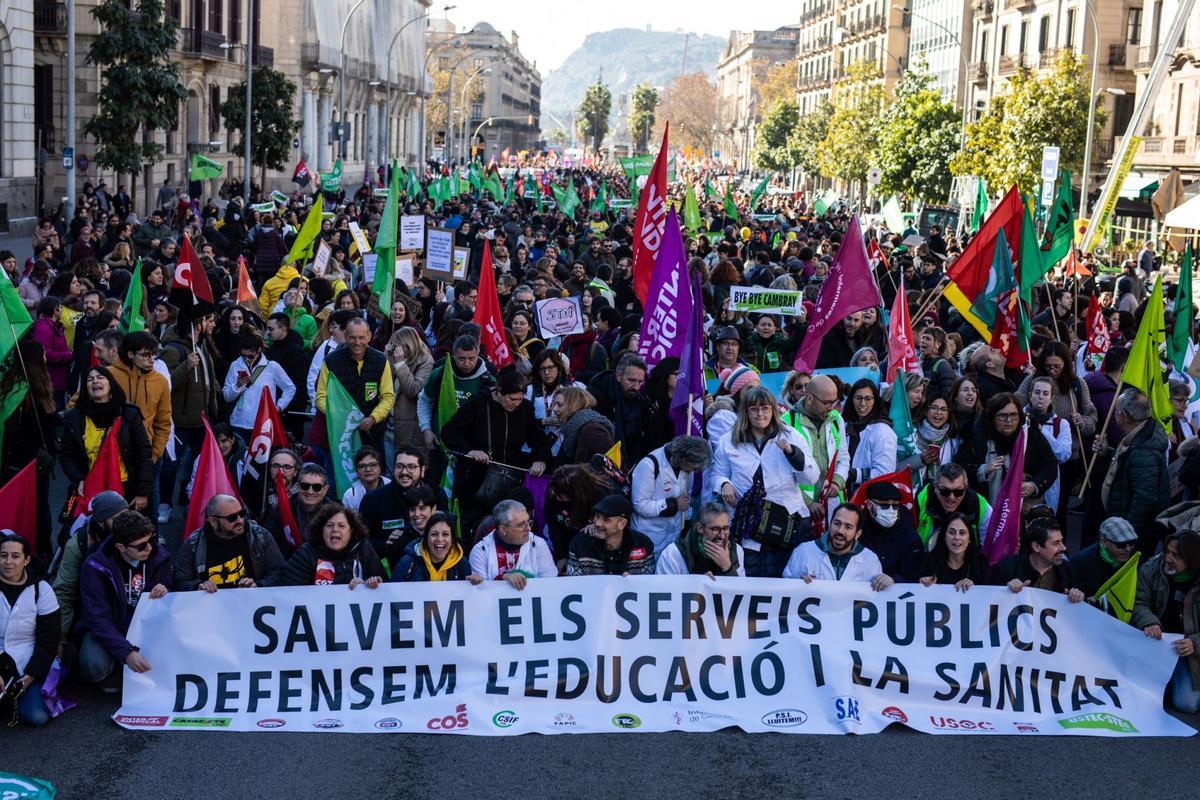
<point>227,552</point>
<point>950,493</point>
<point>705,548</point>
<point>312,490</point>
<point>129,563</point>
<point>510,552</point>
<point>385,511</point>
<point>818,421</point>
<point>368,471</point>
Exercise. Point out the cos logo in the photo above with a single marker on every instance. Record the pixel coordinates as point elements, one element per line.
<point>456,721</point>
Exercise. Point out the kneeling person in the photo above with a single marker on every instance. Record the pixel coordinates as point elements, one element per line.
<point>608,546</point>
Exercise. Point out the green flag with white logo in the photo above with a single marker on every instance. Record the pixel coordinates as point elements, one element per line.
<point>342,418</point>
<point>203,168</point>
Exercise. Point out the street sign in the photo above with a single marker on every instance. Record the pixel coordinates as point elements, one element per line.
<point>296,143</point>
<point>1049,163</point>
<point>68,157</point>
<point>874,176</point>
<point>1047,192</point>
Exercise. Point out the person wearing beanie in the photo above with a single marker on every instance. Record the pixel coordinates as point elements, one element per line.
<point>738,378</point>
<point>1099,561</point>
<point>86,535</point>
<point>888,531</point>
<point>608,546</point>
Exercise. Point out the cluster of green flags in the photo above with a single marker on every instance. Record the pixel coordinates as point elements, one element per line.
<point>566,198</point>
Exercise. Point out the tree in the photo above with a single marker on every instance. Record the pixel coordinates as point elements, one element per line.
<point>778,82</point>
<point>140,87</point>
<point>1004,146</point>
<point>559,137</point>
<point>641,114</point>
<point>593,113</point>
<point>272,125</point>
<point>918,135</point>
<point>804,142</point>
<point>852,138</point>
<point>771,150</point>
<point>690,105</point>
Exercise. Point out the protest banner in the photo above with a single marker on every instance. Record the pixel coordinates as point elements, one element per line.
<point>760,300</point>
<point>360,238</point>
<point>774,380</point>
<point>439,253</point>
<point>412,232</point>
<point>656,653</point>
<point>559,316</point>
<point>462,257</point>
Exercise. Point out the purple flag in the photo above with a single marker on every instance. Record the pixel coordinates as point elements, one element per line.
<point>669,303</point>
<point>1003,535</point>
<point>849,287</point>
<point>689,384</point>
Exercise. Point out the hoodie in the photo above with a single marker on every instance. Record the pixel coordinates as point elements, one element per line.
<point>465,387</point>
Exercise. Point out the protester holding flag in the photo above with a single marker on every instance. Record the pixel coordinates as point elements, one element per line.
<point>1097,563</point>
<point>229,551</point>
<point>1168,601</point>
<point>366,377</point>
<point>1137,486</point>
<point>985,453</point>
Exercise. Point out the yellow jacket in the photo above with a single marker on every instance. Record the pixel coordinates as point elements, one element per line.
<point>274,288</point>
<point>387,391</point>
<point>150,392</point>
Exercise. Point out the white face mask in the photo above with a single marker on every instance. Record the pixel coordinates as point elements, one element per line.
<point>885,516</point>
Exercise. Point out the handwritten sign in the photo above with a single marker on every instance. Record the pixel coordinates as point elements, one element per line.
<point>559,316</point>
<point>360,238</point>
<point>404,270</point>
<point>462,256</point>
<point>439,253</point>
<point>412,232</point>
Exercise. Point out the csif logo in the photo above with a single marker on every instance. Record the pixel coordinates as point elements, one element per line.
<point>456,721</point>
<point>505,719</point>
<point>627,721</point>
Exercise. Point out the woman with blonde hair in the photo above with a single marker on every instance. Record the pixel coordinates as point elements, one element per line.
<point>412,364</point>
<point>582,431</point>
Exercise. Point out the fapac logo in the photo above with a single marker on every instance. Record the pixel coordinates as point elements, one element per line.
<point>141,722</point>
<point>270,723</point>
<point>627,721</point>
<point>565,719</point>
<point>894,714</point>
<point>845,709</point>
<point>949,723</point>
<point>201,722</point>
<point>1025,727</point>
<point>1099,721</point>
<point>456,721</point>
<point>784,718</point>
<point>328,724</point>
<point>388,723</point>
<point>505,719</point>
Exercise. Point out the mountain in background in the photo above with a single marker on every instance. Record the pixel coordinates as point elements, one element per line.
<point>626,57</point>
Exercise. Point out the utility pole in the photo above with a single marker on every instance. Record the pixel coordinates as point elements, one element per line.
<point>246,158</point>
<point>71,111</point>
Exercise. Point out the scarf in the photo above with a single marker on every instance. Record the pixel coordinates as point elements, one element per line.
<point>101,414</point>
<point>691,546</point>
<point>1039,417</point>
<point>438,573</point>
<point>570,430</point>
<point>931,435</point>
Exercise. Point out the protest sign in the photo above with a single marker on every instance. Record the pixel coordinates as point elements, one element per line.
<point>760,300</point>
<point>439,253</point>
<point>321,259</point>
<point>412,232</point>
<point>368,263</point>
<point>263,208</point>
<point>655,653</point>
<point>559,316</point>
<point>462,257</point>
<point>360,238</point>
<point>405,271</point>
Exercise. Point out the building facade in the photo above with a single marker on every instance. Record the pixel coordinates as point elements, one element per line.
<point>494,94</point>
<point>938,31</point>
<point>18,152</point>
<point>747,58</point>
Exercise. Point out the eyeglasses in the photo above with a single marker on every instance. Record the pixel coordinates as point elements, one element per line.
<point>825,403</point>
<point>234,517</point>
<point>284,467</point>
<point>714,529</point>
<point>1123,545</point>
<point>146,354</point>
<point>518,526</point>
<point>407,467</point>
<point>1008,416</point>
<point>946,491</point>
<point>764,409</point>
<point>140,548</point>
<point>369,465</point>
<point>939,410</point>
<point>305,486</point>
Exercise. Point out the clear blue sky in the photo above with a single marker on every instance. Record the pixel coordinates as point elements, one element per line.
<point>550,31</point>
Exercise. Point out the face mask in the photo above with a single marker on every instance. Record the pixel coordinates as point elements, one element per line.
<point>886,516</point>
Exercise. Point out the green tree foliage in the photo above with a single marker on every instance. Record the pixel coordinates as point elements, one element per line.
<point>272,124</point>
<point>593,113</point>
<point>140,88</point>
<point>1004,146</point>
<point>771,151</point>
<point>918,135</point>
<point>804,142</point>
<point>641,114</point>
<point>853,135</point>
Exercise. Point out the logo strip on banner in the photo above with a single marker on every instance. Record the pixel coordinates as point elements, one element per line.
<point>619,655</point>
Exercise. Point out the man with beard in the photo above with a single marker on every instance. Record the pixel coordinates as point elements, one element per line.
<point>227,552</point>
<point>385,510</point>
<point>705,548</point>
<point>86,328</point>
<point>838,555</point>
<point>619,397</point>
<point>1041,562</point>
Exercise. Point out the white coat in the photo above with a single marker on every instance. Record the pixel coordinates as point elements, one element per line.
<point>810,559</point>
<point>736,464</point>
<point>246,398</point>
<point>876,452</point>
<point>18,622</point>
<point>535,558</point>
<point>651,495</point>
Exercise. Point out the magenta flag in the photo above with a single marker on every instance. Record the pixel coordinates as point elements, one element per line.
<point>669,303</point>
<point>687,403</point>
<point>849,287</point>
<point>1003,535</point>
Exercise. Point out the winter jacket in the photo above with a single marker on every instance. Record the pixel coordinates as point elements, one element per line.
<point>1150,605</point>
<point>782,475</point>
<point>274,288</point>
<point>291,355</point>
<point>589,555</point>
<point>245,399</point>
<point>151,393</point>
<point>193,389</point>
<point>1138,484</point>
<point>1065,405</point>
<point>356,560</point>
<point>30,628</point>
<point>482,424</point>
<point>1091,570</point>
<point>826,439</point>
<point>1019,567</point>
<point>133,446</point>
<point>190,567</point>
<point>410,377</point>
<point>1041,468</point>
<point>898,548</point>
<point>774,354</point>
<point>268,252</point>
<point>104,608</point>
<point>52,337</point>
<point>940,374</point>
<point>411,567</point>
<point>534,558</point>
<point>629,417</point>
<point>465,387</point>
<point>583,435</point>
<point>385,512</point>
<point>812,558</point>
<point>1103,391</point>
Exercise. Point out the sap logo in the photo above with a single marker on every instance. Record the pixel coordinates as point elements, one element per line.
<point>387,723</point>
<point>270,723</point>
<point>950,723</point>
<point>456,721</point>
<point>784,718</point>
<point>894,714</point>
<point>845,709</point>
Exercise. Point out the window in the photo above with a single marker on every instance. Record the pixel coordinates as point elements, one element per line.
<point>1004,41</point>
<point>1044,34</point>
<point>1133,26</point>
<point>235,20</point>
<point>1178,108</point>
<point>1069,37</point>
<point>214,109</point>
<point>175,9</point>
<point>1024,37</point>
<point>216,16</point>
<point>983,43</point>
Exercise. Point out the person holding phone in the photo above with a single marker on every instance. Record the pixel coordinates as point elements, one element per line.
<point>249,376</point>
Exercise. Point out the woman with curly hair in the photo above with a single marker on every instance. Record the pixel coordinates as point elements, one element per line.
<point>337,553</point>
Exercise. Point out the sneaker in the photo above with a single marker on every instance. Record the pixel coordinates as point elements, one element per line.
<point>164,513</point>
<point>112,684</point>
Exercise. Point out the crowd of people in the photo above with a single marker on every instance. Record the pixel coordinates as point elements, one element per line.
<point>565,462</point>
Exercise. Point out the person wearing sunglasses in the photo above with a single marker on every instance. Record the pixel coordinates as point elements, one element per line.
<point>228,551</point>
<point>127,565</point>
<point>949,494</point>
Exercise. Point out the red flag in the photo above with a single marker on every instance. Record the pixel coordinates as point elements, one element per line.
<point>190,285</point>
<point>246,295</point>
<point>902,481</point>
<point>301,175</point>
<point>1005,333</point>
<point>212,478</point>
<point>902,354</point>
<point>875,255</point>
<point>1098,340</point>
<point>1003,533</point>
<point>105,474</point>
<point>18,505</point>
<point>94,361</point>
<point>268,432</point>
<point>968,276</point>
<point>291,531</point>
<point>818,519</point>
<point>1075,268</point>
<point>649,223</point>
<point>487,314</point>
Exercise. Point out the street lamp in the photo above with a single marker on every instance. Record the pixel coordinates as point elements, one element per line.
<point>462,103</point>
<point>342,81</point>
<point>1091,123</point>
<point>388,76</point>
<point>962,135</point>
<point>424,96</point>
<point>249,50</point>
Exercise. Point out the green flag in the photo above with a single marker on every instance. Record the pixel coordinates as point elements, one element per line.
<point>14,317</point>
<point>541,206</point>
<point>447,396</point>
<point>758,192</point>
<point>414,185</point>
<point>510,190</point>
<point>342,417</point>
<point>1032,269</point>
<point>600,201</point>
<point>901,418</point>
<point>728,205</point>
<point>822,203</point>
<point>332,181</point>
<point>566,198</point>
<point>474,179</point>
<point>1120,589</point>
<point>279,197</point>
<point>203,168</point>
<point>131,312</point>
<point>302,246</point>
<point>494,187</point>
<point>893,217</point>
<point>1001,279</point>
<point>710,191</point>
<point>1060,226</point>
<point>384,284</point>
<point>1185,313</point>
<point>1143,369</point>
<point>691,211</point>
<point>981,205</point>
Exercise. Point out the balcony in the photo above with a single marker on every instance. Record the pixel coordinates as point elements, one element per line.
<point>1046,58</point>
<point>49,17</point>
<point>1021,5</point>
<point>1102,149</point>
<point>1117,56</point>
<point>1145,56</point>
<point>1010,64</point>
<point>200,43</point>
<point>264,56</point>
<point>983,8</point>
<point>979,73</point>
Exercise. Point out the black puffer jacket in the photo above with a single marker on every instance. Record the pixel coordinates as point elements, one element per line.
<point>133,442</point>
<point>358,560</point>
<point>1140,486</point>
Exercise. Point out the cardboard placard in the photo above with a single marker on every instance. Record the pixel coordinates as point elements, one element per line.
<point>412,232</point>
<point>559,316</point>
<point>321,259</point>
<point>405,270</point>
<point>462,257</point>
<point>439,253</point>
<point>369,267</point>
<point>360,238</point>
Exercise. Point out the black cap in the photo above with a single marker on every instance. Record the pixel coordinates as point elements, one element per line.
<point>727,332</point>
<point>614,505</point>
<point>883,492</point>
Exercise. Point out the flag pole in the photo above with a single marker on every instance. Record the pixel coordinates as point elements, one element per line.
<point>25,370</point>
<point>938,292</point>
<point>1100,437</point>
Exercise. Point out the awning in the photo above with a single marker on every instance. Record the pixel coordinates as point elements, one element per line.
<point>1185,216</point>
<point>1139,186</point>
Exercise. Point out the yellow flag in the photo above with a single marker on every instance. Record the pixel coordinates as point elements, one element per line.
<point>1119,590</point>
<point>614,454</point>
<point>302,247</point>
<point>1143,369</point>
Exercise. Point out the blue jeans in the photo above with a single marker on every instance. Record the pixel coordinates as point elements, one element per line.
<point>95,664</point>
<point>32,708</point>
<point>152,504</point>
<point>1184,696</point>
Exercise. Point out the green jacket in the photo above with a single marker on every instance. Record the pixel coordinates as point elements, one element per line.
<point>1150,604</point>
<point>66,584</point>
